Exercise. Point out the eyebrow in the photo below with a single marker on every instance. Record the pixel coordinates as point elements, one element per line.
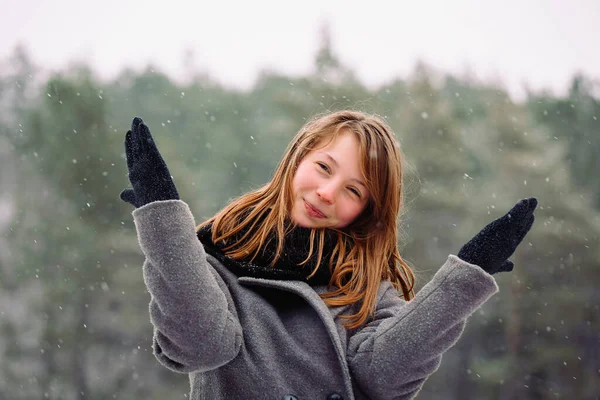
<point>334,162</point>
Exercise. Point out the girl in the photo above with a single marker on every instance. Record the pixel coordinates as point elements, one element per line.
<point>297,290</point>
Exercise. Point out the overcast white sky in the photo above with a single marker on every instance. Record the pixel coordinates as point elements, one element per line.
<point>535,41</point>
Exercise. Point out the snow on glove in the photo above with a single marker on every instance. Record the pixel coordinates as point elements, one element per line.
<point>491,247</point>
<point>148,172</point>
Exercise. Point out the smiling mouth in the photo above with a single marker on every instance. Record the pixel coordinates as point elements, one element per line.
<point>313,212</point>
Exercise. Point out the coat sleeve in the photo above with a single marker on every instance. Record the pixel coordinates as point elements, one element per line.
<point>195,323</point>
<point>393,355</point>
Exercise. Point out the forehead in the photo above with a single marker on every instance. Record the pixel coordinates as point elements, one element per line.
<point>343,152</point>
<point>345,143</point>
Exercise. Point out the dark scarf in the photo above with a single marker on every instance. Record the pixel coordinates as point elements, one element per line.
<point>295,250</point>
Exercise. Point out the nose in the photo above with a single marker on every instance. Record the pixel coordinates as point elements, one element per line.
<point>327,192</point>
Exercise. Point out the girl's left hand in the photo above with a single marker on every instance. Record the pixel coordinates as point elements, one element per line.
<point>491,247</point>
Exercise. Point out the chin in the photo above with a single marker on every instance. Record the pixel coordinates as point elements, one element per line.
<point>302,224</point>
<point>305,222</point>
<point>298,220</point>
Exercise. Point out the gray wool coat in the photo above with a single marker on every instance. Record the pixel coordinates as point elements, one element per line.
<point>251,338</point>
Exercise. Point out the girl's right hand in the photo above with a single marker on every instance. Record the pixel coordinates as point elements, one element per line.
<point>148,172</point>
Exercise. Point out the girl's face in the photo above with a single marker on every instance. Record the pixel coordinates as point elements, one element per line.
<point>328,188</point>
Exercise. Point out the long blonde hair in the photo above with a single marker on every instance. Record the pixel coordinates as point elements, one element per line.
<point>367,250</point>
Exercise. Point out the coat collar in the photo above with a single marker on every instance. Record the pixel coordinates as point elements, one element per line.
<point>311,295</point>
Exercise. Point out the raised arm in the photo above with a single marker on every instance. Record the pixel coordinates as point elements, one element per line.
<point>392,356</point>
<point>195,324</point>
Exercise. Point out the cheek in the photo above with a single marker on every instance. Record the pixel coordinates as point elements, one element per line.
<point>302,179</point>
<point>349,212</point>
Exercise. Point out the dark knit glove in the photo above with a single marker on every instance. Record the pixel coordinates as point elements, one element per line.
<point>491,247</point>
<point>148,172</point>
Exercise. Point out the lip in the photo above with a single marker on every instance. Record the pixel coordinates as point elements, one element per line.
<point>313,211</point>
